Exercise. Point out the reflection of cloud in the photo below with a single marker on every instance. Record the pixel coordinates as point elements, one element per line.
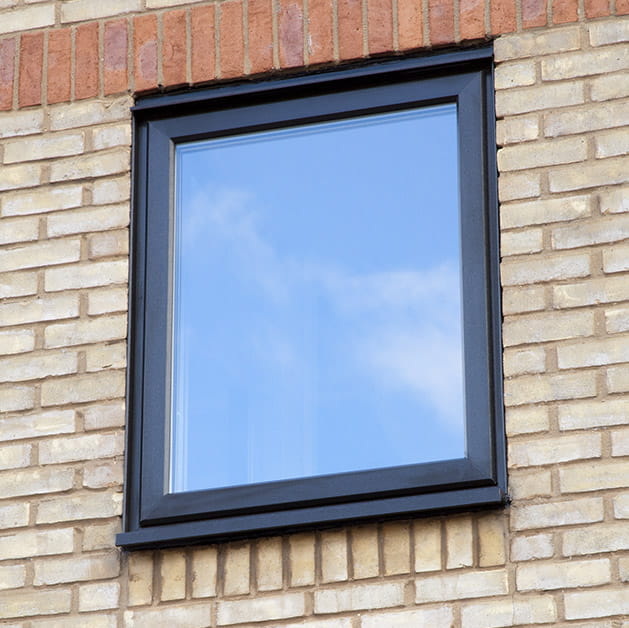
<point>401,328</point>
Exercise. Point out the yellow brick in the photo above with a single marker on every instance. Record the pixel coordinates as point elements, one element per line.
<point>86,275</point>
<point>396,548</point>
<point>578,64</point>
<point>359,597</point>
<point>609,32</point>
<point>237,566</point>
<point>302,559</point>
<point>521,242</point>
<point>616,259</point>
<point>173,575</point>
<point>552,514</point>
<point>111,136</point>
<point>35,481</point>
<point>553,450</point>
<point>604,116</point>
<point>528,484</point>
<point>107,300</point>
<point>14,516</point>
<point>39,424</point>
<point>618,379</point>
<point>269,564</point>
<point>20,341</point>
<point>30,543</point>
<point>105,328</point>
<point>93,567</point>
<point>609,229</point>
<point>20,122</point>
<point>546,576</point>
<point>93,387</point>
<point>16,398</point>
<point>492,540</point>
<point>16,285</point>
<point>79,10</point>
<point>536,328</point>
<point>12,577</point>
<point>574,416</point>
<point>40,254</point>
<point>596,603</point>
<point>109,356</point>
<point>532,547</point>
<point>265,608</point>
<point>518,185</point>
<point>88,447</point>
<point>45,199</point>
<point>45,147</point>
<point>446,587</point>
<point>100,536</point>
<point>594,352</point>
<point>80,506</point>
<point>593,291</point>
<point>543,211</point>
<point>19,176</point>
<point>612,143</point>
<point>535,43</point>
<point>99,596</point>
<point>620,442</point>
<point>15,456</point>
<point>535,388</point>
<point>527,420</point>
<point>500,612</point>
<point>183,615</point>
<point>19,230</point>
<point>88,219</point>
<point>140,578</point>
<point>88,112</point>
<point>541,154</point>
<point>522,299</point>
<point>621,506</point>
<point>104,415</point>
<point>25,603</point>
<point>365,555</point>
<point>514,130</point>
<point>334,556</point>
<point>204,572</point>
<point>526,99</point>
<point>609,87</point>
<point>427,536</point>
<point>109,244</point>
<point>107,191</point>
<point>594,476</point>
<point>105,474</point>
<point>514,74</point>
<point>459,543</point>
<point>596,539</point>
<point>416,618</point>
<point>522,272</point>
<point>24,18</point>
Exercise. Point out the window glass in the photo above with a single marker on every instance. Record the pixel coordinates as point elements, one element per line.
<point>317,312</point>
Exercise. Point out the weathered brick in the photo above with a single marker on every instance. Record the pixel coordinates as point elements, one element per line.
<point>604,116</point>
<point>593,291</point>
<point>19,230</point>
<point>108,191</point>
<point>617,320</point>
<point>614,201</point>
<point>594,476</point>
<point>359,597</point>
<point>610,229</point>
<point>173,575</point>
<point>514,74</point>
<point>416,618</point>
<point>605,603</point>
<point>459,543</point>
<point>269,564</point>
<point>80,114</point>
<point>618,379</point>
<point>29,543</point>
<point>450,586</point>
<point>590,414</point>
<point>553,450</point>
<point>608,32</point>
<point>427,536</point>
<point>21,122</point>
<point>621,506</point>
<point>15,456</point>
<point>609,87</point>
<point>46,147</point>
<point>531,44</point>
<point>521,242</point>
<point>302,559</point>
<point>105,474</point>
<point>365,553</point>
<point>46,199</point>
<point>204,572</point>
<point>86,276</point>
<point>110,243</point>
<point>25,18</point>
<point>546,576</point>
<point>25,603</point>
<point>535,328</point>
<point>527,420</point>
<point>577,64</point>
<point>141,579</point>
<point>76,569</point>
<point>396,548</point>
<point>86,331</point>
<point>12,577</point>
<point>80,10</point>
<point>22,368</point>
<point>529,484</point>
<point>334,556</point>
<point>620,443</point>
<point>517,185</point>
<point>111,136</point>
<point>20,341</point>
<point>515,130</point>
<point>87,447</point>
<point>109,356</point>
<point>541,154</point>
<point>16,398</point>
<point>526,99</point>
<point>552,514</point>
<point>104,415</point>
<point>260,609</point>
<point>565,266</point>
<point>616,259</point>
<point>553,387</point>
<point>40,254</point>
<point>593,353</point>
<point>540,212</point>
<point>19,176</point>
<point>93,219</point>
<point>188,616</point>
<point>523,299</point>
<point>16,285</point>
<point>491,541</point>
<point>532,547</point>
<point>612,143</point>
<point>14,516</point>
<point>99,596</point>
<point>523,361</point>
<point>595,539</point>
<point>93,165</point>
<point>236,570</point>
<point>500,612</point>
<point>81,506</point>
<point>107,300</point>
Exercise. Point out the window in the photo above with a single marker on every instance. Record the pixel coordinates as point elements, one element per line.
<point>314,333</point>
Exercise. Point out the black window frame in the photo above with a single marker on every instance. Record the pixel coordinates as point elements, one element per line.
<point>155,518</point>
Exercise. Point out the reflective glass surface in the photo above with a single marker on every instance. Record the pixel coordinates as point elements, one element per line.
<point>317,301</point>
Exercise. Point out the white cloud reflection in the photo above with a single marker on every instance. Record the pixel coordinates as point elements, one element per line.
<point>405,324</point>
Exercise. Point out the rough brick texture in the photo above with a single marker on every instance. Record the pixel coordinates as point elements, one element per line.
<point>558,556</point>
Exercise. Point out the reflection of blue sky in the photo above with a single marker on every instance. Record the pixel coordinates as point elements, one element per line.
<point>318,326</point>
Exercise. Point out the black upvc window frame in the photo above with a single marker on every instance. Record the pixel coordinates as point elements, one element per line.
<point>155,518</point>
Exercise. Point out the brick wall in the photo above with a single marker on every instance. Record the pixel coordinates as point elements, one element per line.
<point>558,556</point>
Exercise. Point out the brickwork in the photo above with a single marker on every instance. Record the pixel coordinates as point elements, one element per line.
<point>559,555</point>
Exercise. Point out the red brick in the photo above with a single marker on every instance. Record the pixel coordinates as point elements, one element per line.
<point>116,54</point>
<point>472,19</point>
<point>232,47</point>
<point>59,65</point>
<point>202,22</point>
<point>145,52</point>
<point>31,62</point>
<point>350,25</point>
<point>174,48</point>
<point>320,31</point>
<point>622,7</point>
<point>379,26</point>
<point>441,21</point>
<point>7,73</point>
<point>533,13</point>
<point>410,24</point>
<point>564,11</point>
<point>291,33</point>
<point>86,61</point>
<point>596,8</point>
<point>260,35</point>
<point>502,16</point>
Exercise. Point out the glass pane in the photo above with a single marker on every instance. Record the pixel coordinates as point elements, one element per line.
<point>317,316</point>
